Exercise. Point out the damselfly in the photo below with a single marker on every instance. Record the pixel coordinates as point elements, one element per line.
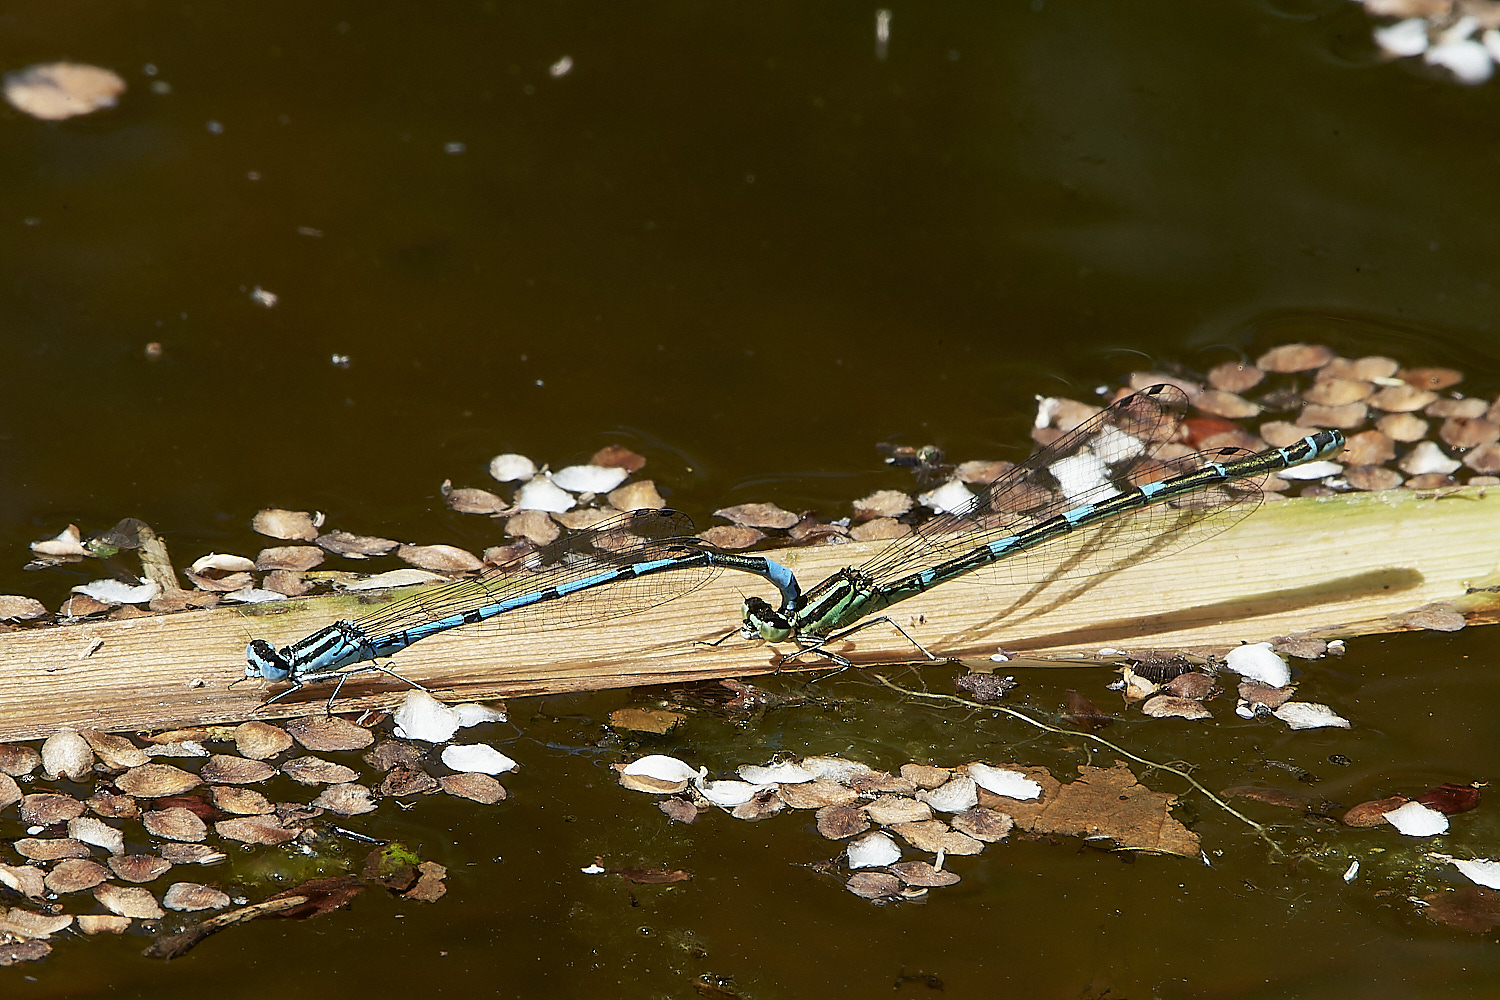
<point>1110,493</point>
<point>623,565</point>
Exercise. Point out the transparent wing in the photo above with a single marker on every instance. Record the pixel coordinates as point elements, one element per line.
<point>632,537</point>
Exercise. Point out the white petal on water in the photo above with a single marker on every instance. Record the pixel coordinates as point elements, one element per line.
<point>835,769</point>
<point>477,757</point>
<point>423,717</point>
<point>512,468</point>
<point>589,478</point>
<point>729,793</point>
<point>785,773</point>
<point>952,495</point>
<point>1309,715</point>
<point>1080,473</point>
<point>1351,871</point>
<point>254,595</point>
<point>223,561</point>
<point>955,795</point>
<point>1404,38</point>
<point>1482,872</point>
<point>541,494</point>
<point>1312,470</point>
<point>69,542</point>
<point>1046,409</point>
<point>1467,60</point>
<point>472,714</point>
<point>1416,820</point>
<point>115,592</point>
<point>594,869</point>
<point>561,67</point>
<point>1011,784</point>
<point>663,768</point>
<point>872,851</point>
<point>1427,457</point>
<point>1491,41</point>
<point>1256,661</point>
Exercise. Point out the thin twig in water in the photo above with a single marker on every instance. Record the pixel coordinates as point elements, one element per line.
<point>1258,828</point>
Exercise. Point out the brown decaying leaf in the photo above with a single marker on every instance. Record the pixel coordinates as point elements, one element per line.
<point>759,515</point>
<point>1470,908</point>
<point>128,902</point>
<point>481,788</point>
<point>617,456</point>
<point>152,781</point>
<point>926,776</point>
<point>261,740</point>
<point>176,823</point>
<point>260,829</point>
<point>652,876</point>
<point>731,536</point>
<point>240,801</point>
<point>923,874</point>
<point>296,558</point>
<point>440,558</point>
<point>321,895</point>
<point>139,867</point>
<point>310,770</point>
<point>1272,796</point>
<point>636,496</point>
<point>10,792</point>
<point>1449,798</point>
<point>874,885</point>
<point>983,686</point>
<point>1372,813</point>
<point>46,808</point>
<point>320,733</point>
<point>841,821</point>
<point>349,799</point>
<point>342,543</point>
<point>429,887</point>
<point>1101,802</point>
<point>1166,706</point>
<point>646,720</point>
<point>465,500</point>
<point>51,849</point>
<point>1194,685</point>
<point>24,951</point>
<point>678,810</point>
<point>225,769</point>
<point>1084,714</point>
<point>406,781</point>
<point>18,761</point>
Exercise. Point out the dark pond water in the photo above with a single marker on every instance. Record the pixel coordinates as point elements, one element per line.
<point>735,240</point>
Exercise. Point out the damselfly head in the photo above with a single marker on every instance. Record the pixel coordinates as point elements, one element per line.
<point>760,620</point>
<point>264,660</point>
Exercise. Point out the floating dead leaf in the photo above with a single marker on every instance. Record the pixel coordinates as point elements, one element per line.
<point>24,951</point>
<point>392,866</point>
<point>1401,399</point>
<point>322,895</point>
<point>67,545</point>
<point>841,821</point>
<point>882,503</point>
<point>224,769</point>
<point>1195,685</point>
<point>1484,460</point>
<point>176,823</point>
<point>1465,433</point>
<point>1084,714</point>
<point>874,885</point>
<point>758,515</point>
<point>46,808</point>
<point>1235,376</point>
<point>888,810</point>
<point>190,896</point>
<point>984,687</point>
<point>13,608</point>
<point>1372,477</point>
<point>1450,798</point>
<point>811,531</point>
<point>1106,802</point>
<point>955,795</point>
<point>616,456</point>
<point>51,849</point>
<point>816,794</point>
<point>128,902</point>
<point>25,879</point>
<point>296,558</point>
<point>646,720</point>
<point>1338,391</point>
<point>116,752</point>
<point>983,824</point>
<point>448,559</point>
<point>295,525</point>
<point>878,529</point>
<point>65,754</point>
<point>75,875</point>
<point>1431,379</point>
<point>321,733</point>
<point>731,536</point>
<point>139,867</point>
<point>762,804</point>
<point>926,776</point>
<point>1256,693</point>
<point>97,833</point>
<point>103,923</point>
<point>466,500</point>
<point>480,788</point>
<point>1368,814</point>
<point>154,781</point>
<point>30,925</point>
<point>982,472</point>
<point>350,546</point>
<point>114,806</point>
<point>240,801</point>
<point>311,770</point>
<point>652,876</point>
<point>429,887</point>
<point>934,835</point>
<point>1165,706</point>
<point>260,740</point>
<point>10,792</point>
<point>922,873</point>
<point>348,799</point>
<point>1290,358</point>
<point>1468,908</point>
<point>59,90</point>
<point>636,496</point>
<point>182,749</point>
<point>1283,797</point>
<point>678,810</point>
<point>191,854</point>
<point>535,526</point>
<point>18,761</point>
<point>405,781</point>
<point>1226,404</point>
<point>259,829</point>
<point>1434,618</point>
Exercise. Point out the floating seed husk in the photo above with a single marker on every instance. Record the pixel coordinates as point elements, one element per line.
<point>636,496</point>
<point>191,854</point>
<point>1338,392</point>
<point>874,885</point>
<point>289,524</point>
<point>1401,399</point>
<point>888,810</point>
<point>983,824</point>
<point>128,902</point>
<point>329,733</point>
<point>114,806</point>
<point>1193,685</point>
<point>731,536</point>
<point>926,776</point>
<point>448,559</point>
<point>1289,358</point>
<point>46,808</point>
<point>348,799</point>
<point>404,781</point>
<point>1433,379</point>
<point>240,801</point>
<point>1346,417</point>
<point>297,558</point>
<point>1370,814</point>
<point>880,528</point>
<point>923,874</point>
<point>176,823</point>
<point>311,770</point>
<point>882,503</point>
<point>254,830</point>
<point>189,896</point>
<point>816,794</point>
<point>154,781</point>
<point>1235,376</point>
<point>934,835</point>
<point>75,875</point>
<point>342,543</point>
<point>25,879</point>
<point>224,769</point>
<point>103,923</point>
<point>139,867</point>
<point>841,821</point>
<point>65,754</point>
<point>1165,706</point>
<point>481,788</point>
<point>97,833</point>
<point>51,849</point>
<point>260,740</point>
<point>758,515</point>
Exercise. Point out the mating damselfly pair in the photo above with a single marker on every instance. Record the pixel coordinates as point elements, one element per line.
<point>1118,489</point>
